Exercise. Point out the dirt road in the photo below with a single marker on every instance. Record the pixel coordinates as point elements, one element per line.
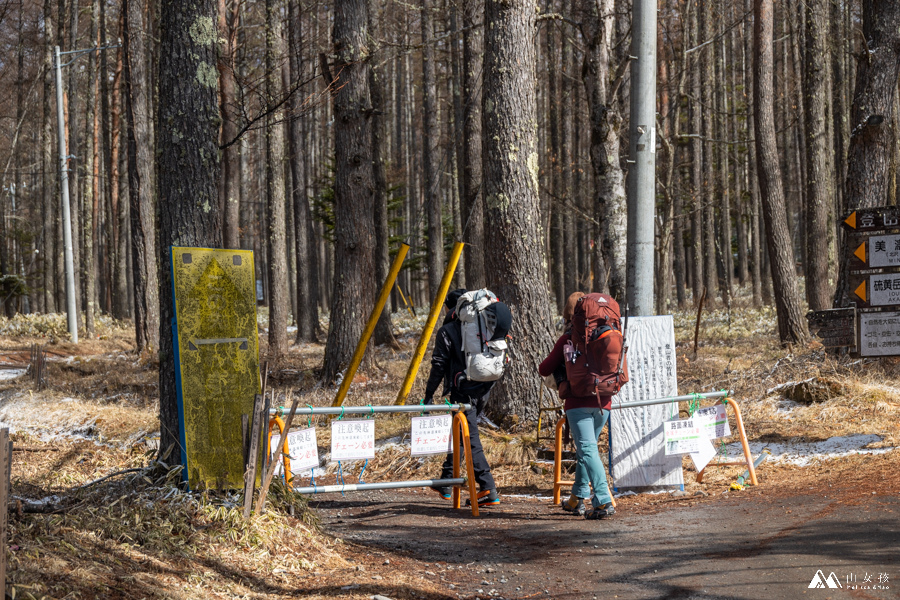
<point>748,545</point>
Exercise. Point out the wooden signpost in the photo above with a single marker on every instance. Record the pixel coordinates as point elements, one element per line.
<point>871,327</point>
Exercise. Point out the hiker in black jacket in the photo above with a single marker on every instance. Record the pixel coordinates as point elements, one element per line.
<point>447,366</point>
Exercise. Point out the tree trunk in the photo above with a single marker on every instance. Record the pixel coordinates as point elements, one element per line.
<point>820,251</point>
<point>188,168</point>
<point>140,181</point>
<point>868,156</point>
<point>472,209</point>
<point>430,135</point>
<point>230,111</point>
<point>354,233</point>
<point>91,191</point>
<point>48,165</point>
<point>307,304</point>
<point>383,333</point>
<point>276,237</point>
<point>696,203</point>
<point>515,266</point>
<point>609,181</point>
<point>791,324</point>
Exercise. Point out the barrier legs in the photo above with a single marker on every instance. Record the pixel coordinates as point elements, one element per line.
<point>461,440</point>
<point>557,466</point>
<point>748,458</point>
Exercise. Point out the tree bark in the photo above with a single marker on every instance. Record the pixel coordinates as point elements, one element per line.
<point>791,324</point>
<point>140,181</point>
<point>276,236</point>
<point>354,233</point>
<point>869,152</point>
<point>91,191</point>
<point>188,167</point>
<point>515,265</point>
<point>48,165</point>
<point>598,21</point>
<point>383,333</point>
<point>820,251</point>
<point>472,209</point>
<point>230,111</point>
<point>304,245</point>
<point>430,135</point>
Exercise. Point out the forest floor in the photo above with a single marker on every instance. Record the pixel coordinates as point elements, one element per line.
<point>827,497</point>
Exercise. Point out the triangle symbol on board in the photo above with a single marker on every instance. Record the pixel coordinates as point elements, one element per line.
<point>860,252</point>
<point>861,291</point>
<point>851,220</point>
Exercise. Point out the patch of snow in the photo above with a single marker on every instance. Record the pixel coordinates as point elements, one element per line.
<point>292,329</point>
<point>782,386</point>
<point>6,374</point>
<point>529,496</point>
<point>623,494</point>
<point>803,453</point>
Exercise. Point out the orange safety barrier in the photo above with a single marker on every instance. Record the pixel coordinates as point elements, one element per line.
<point>739,422</point>
<point>460,431</point>
<point>557,465</point>
<point>748,458</point>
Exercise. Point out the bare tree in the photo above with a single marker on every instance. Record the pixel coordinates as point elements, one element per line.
<point>354,233</point>
<point>869,154</point>
<point>515,262</point>
<point>140,180</point>
<point>187,147</point>
<point>276,237</point>
<point>791,324</point>
<point>820,208</point>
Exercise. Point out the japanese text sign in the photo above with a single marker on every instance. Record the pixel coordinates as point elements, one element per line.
<point>713,421</point>
<point>304,454</point>
<point>351,440</point>
<point>430,435</point>
<point>682,436</point>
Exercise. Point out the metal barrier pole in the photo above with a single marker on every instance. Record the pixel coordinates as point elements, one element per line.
<point>456,434</point>
<point>557,463</point>
<point>368,410</point>
<point>430,323</point>
<point>387,485</point>
<point>370,326</point>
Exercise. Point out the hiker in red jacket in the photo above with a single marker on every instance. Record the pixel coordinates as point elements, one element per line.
<point>586,416</point>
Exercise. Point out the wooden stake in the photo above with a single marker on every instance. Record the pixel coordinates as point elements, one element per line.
<point>5,472</point>
<point>270,471</point>
<point>697,325</point>
<point>256,431</point>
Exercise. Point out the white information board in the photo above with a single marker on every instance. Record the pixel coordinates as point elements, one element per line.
<point>713,421</point>
<point>430,435</point>
<point>352,440</point>
<point>302,448</point>
<point>879,334</point>
<point>638,460</point>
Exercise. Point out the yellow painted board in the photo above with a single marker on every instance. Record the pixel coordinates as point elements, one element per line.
<point>216,360</point>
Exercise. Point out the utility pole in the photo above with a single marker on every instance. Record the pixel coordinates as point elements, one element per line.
<point>642,159</point>
<point>64,189</point>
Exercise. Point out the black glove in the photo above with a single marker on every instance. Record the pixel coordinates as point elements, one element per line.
<point>428,400</point>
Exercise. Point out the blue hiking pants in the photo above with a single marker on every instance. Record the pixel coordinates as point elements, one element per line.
<point>586,425</point>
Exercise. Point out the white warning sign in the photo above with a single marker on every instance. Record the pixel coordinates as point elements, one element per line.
<point>638,460</point>
<point>351,440</point>
<point>713,421</point>
<point>304,453</point>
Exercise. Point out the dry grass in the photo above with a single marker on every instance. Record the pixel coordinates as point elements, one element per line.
<point>137,536</point>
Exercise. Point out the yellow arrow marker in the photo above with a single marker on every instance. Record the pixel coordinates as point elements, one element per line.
<point>860,252</point>
<point>861,291</point>
<point>851,220</point>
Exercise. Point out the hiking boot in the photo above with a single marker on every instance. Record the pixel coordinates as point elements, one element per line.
<point>486,498</point>
<point>601,512</point>
<point>445,492</point>
<point>574,505</point>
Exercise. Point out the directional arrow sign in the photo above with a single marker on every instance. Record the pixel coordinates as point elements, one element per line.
<point>873,219</point>
<point>882,289</point>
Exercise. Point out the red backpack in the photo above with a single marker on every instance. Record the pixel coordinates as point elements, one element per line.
<point>595,364</point>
